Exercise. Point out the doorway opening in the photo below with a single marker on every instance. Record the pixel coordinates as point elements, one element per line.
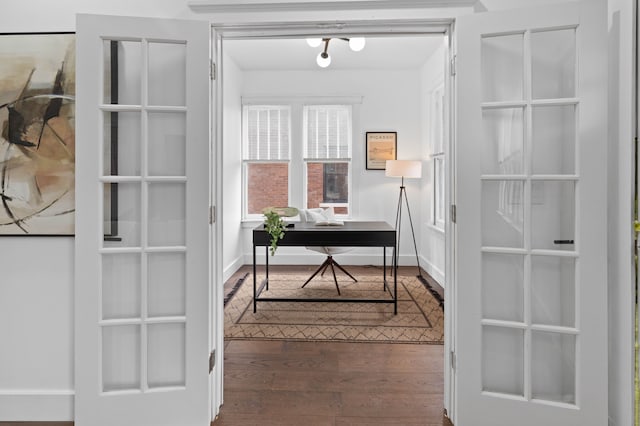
<point>282,69</point>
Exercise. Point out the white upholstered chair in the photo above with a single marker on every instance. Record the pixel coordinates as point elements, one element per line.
<point>307,215</point>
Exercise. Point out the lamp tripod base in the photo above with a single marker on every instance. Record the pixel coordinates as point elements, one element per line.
<point>403,197</point>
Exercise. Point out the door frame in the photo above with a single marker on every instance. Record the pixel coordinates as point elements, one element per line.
<point>378,27</point>
<point>216,303</point>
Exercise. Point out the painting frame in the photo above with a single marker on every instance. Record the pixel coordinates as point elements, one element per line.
<point>380,147</point>
<point>37,134</point>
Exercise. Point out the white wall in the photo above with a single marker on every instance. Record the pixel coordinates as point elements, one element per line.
<point>232,172</point>
<point>36,328</point>
<point>390,102</point>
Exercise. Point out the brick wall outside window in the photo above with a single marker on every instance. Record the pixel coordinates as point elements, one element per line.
<point>267,185</point>
<point>315,185</point>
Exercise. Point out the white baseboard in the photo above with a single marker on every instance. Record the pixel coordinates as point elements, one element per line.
<point>36,405</point>
<point>435,272</point>
<point>232,268</point>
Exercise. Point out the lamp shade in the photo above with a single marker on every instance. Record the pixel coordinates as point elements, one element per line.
<point>403,168</point>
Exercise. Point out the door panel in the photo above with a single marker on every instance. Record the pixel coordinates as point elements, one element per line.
<point>531,218</point>
<point>142,265</point>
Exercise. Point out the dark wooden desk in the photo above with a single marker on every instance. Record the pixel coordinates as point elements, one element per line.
<point>351,234</point>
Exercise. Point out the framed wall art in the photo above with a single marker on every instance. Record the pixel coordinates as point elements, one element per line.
<point>37,134</point>
<point>380,146</point>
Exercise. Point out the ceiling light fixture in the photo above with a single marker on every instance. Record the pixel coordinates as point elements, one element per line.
<point>323,59</point>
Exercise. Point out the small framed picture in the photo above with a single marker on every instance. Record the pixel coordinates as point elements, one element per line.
<point>381,146</point>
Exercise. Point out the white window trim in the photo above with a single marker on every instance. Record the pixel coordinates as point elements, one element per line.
<point>437,222</point>
<point>251,217</point>
<point>306,160</point>
<point>437,144</point>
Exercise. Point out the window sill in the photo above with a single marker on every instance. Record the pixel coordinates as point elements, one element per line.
<point>251,223</point>
<point>435,228</point>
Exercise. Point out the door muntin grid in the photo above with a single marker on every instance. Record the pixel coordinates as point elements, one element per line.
<point>529,192</point>
<point>143,183</point>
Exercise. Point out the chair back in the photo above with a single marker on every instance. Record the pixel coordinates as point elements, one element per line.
<point>305,216</point>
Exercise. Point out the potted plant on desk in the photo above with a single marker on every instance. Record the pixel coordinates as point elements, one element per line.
<point>275,225</point>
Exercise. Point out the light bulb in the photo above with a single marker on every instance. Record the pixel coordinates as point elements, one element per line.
<point>314,42</point>
<point>323,60</point>
<point>356,43</point>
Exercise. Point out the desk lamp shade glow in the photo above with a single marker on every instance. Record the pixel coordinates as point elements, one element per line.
<point>403,168</point>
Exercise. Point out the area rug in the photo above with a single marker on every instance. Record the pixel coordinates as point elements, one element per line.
<point>420,318</point>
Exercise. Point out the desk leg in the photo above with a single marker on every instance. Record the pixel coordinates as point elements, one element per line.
<point>254,278</point>
<point>395,283</point>
<point>384,268</point>
<point>266,265</point>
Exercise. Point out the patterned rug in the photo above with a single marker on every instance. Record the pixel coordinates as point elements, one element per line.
<point>420,319</point>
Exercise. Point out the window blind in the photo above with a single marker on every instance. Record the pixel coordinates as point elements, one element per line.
<point>266,133</point>
<point>327,132</point>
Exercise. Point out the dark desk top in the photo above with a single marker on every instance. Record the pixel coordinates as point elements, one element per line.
<point>374,234</point>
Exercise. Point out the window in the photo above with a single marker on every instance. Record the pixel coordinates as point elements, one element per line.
<point>336,183</point>
<point>296,155</point>
<point>327,156</point>
<point>266,156</point>
<point>436,116</point>
<point>438,190</point>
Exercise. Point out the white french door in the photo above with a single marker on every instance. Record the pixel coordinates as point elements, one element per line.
<point>531,141</point>
<point>142,294</point>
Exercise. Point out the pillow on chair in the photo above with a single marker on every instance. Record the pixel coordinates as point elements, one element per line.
<point>312,215</point>
<point>323,216</point>
<point>315,216</point>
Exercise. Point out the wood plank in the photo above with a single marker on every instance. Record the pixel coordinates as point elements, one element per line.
<point>242,401</point>
<point>393,405</point>
<point>276,403</point>
<point>356,381</point>
<point>238,379</point>
<point>372,421</point>
<point>233,419</point>
<point>281,363</point>
<point>254,346</point>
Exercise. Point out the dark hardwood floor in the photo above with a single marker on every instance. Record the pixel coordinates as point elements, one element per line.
<point>328,383</point>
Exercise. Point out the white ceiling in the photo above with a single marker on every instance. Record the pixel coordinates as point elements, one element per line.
<point>392,52</point>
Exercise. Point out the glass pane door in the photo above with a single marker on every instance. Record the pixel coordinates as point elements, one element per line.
<point>529,190</point>
<point>530,234</point>
<point>142,245</point>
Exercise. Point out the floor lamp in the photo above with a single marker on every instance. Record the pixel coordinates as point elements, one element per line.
<point>410,169</point>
